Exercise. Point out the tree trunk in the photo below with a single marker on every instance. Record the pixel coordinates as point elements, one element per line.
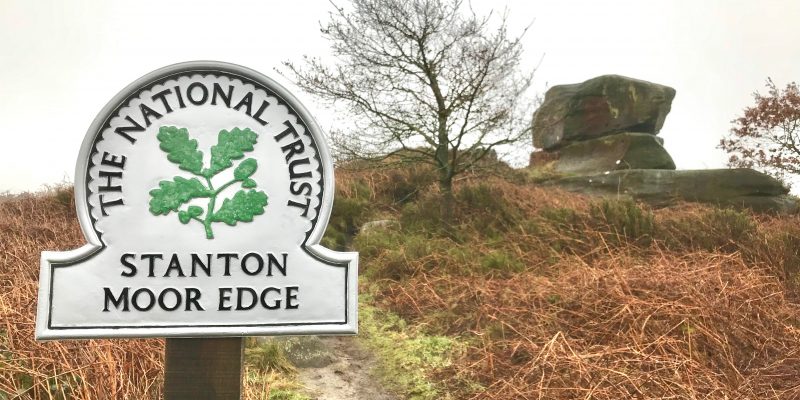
<point>445,169</point>
<point>448,200</point>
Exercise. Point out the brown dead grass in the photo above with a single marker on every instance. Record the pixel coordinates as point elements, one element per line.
<point>73,369</point>
<point>557,296</point>
<point>614,300</point>
<point>695,326</point>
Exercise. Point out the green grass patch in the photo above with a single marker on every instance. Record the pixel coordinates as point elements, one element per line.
<point>269,375</point>
<point>501,261</point>
<point>268,356</point>
<point>406,356</point>
<point>625,218</point>
<point>714,229</point>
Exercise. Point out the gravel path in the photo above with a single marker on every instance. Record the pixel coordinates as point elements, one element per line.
<point>349,377</point>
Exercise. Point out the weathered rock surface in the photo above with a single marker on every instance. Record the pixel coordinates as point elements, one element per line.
<point>598,137</point>
<point>626,150</point>
<point>600,106</point>
<point>306,351</point>
<point>741,188</point>
<point>380,224</point>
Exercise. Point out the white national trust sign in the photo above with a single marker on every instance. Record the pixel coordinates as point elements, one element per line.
<point>203,190</point>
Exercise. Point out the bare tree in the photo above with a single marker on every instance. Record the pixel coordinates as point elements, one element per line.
<point>767,135</point>
<point>425,80</point>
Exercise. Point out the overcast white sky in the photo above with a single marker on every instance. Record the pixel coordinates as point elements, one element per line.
<point>60,61</point>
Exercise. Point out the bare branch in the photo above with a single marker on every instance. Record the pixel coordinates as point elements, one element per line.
<point>424,80</point>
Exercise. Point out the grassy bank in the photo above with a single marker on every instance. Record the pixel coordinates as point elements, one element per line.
<point>560,296</point>
<point>531,293</point>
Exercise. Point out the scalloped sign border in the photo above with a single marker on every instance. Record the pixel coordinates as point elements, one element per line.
<point>58,313</point>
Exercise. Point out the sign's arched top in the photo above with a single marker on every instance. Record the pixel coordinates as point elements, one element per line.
<point>203,190</point>
<point>164,98</point>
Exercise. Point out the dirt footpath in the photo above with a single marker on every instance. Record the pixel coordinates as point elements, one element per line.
<point>349,377</point>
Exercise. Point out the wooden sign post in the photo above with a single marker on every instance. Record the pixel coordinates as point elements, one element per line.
<point>200,369</point>
<point>203,190</point>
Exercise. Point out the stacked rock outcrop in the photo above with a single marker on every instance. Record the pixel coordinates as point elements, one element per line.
<point>599,137</point>
<point>604,124</point>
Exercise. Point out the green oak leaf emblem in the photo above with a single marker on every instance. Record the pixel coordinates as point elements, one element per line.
<point>173,195</point>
